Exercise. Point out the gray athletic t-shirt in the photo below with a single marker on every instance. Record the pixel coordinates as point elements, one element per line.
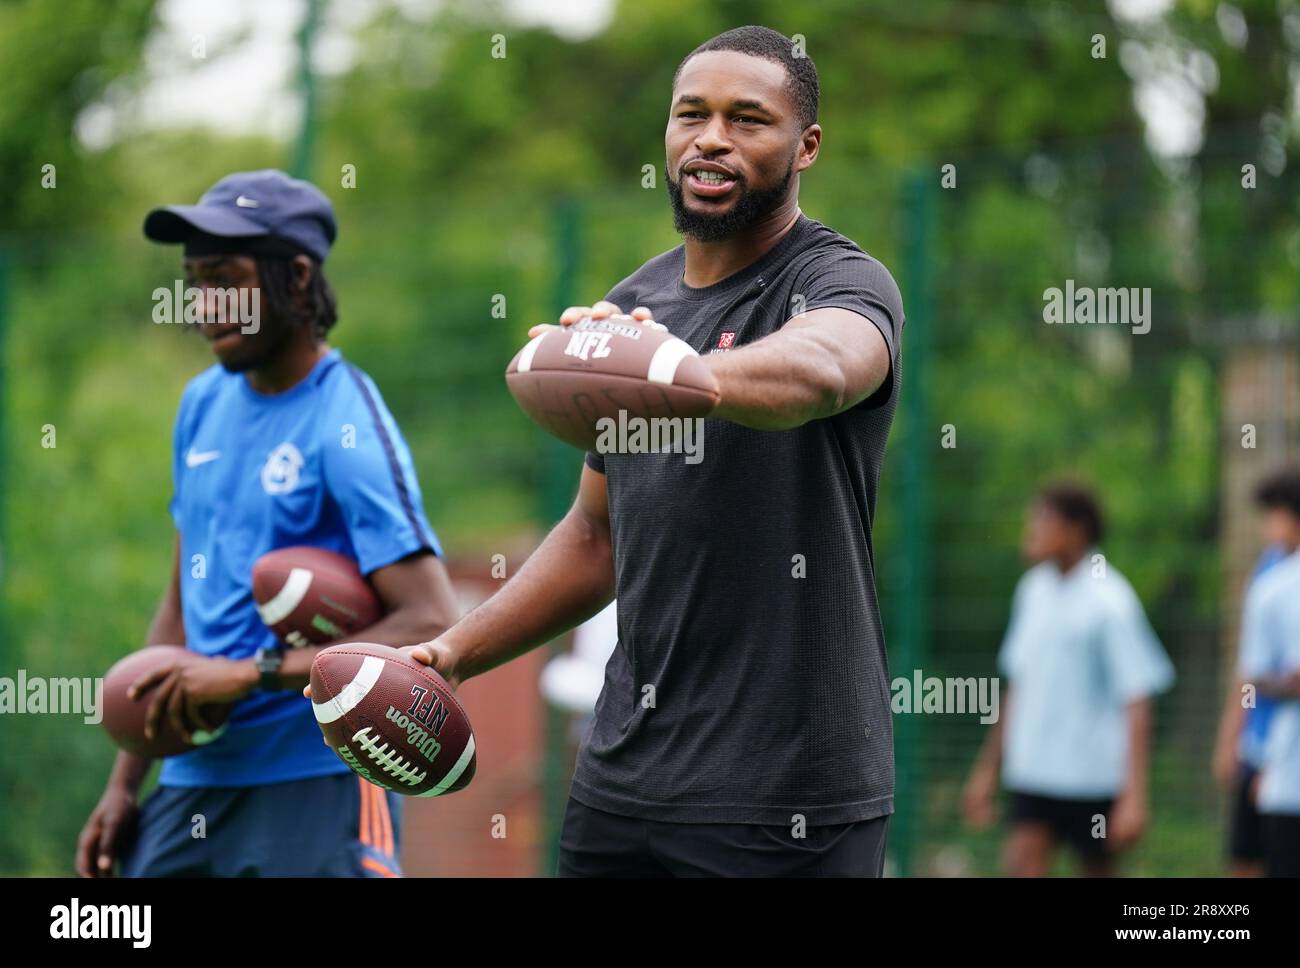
<point>750,683</point>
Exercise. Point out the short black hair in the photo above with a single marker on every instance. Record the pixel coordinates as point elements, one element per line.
<point>1281,489</point>
<point>317,305</point>
<point>1077,504</point>
<point>801,72</point>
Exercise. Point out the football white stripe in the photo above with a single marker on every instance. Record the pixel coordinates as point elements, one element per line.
<point>454,773</point>
<point>528,352</point>
<point>288,598</point>
<point>663,365</point>
<point>335,709</point>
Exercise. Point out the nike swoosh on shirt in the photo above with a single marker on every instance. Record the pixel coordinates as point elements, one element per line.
<point>194,459</point>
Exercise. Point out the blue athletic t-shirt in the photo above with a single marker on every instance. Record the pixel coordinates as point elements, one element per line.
<point>320,464</point>
<point>1254,727</point>
<point>1270,647</point>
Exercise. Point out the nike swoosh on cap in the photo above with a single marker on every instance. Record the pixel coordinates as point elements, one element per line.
<point>243,201</point>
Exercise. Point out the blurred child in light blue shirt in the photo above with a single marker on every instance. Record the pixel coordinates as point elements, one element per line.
<point>1083,665</point>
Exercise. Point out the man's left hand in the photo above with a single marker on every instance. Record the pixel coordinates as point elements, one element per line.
<point>190,683</point>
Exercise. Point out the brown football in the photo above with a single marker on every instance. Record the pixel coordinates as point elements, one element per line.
<point>310,596</point>
<point>570,378</point>
<point>124,718</point>
<point>394,721</point>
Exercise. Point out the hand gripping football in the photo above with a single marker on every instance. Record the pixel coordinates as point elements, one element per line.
<point>394,721</point>
<point>568,379</point>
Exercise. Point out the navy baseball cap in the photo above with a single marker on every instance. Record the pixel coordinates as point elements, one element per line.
<point>257,211</point>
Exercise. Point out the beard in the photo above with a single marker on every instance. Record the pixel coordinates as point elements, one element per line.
<point>263,346</point>
<point>749,208</point>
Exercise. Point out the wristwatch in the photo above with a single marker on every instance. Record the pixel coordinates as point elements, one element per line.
<point>268,662</point>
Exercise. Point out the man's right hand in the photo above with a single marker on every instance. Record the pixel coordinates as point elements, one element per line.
<point>440,656</point>
<point>432,653</point>
<point>113,818</point>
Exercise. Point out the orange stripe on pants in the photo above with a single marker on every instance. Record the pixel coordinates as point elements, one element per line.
<point>365,825</point>
<point>369,863</point>
<point>385,821</point>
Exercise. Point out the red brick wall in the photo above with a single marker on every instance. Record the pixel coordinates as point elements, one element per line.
<point>452,836</point>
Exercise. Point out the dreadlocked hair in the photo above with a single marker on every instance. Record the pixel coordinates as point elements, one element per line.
<point>315,306</point>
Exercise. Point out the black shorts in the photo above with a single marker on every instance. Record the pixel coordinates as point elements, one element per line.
<point>1071,821</point>
<point>594,843</point>
<point>1282,844</point>
<point>1245,824</point>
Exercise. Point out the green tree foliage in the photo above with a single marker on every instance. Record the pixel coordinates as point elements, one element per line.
<point>60,58</point>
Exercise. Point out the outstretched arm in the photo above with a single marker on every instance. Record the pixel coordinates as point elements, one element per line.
<point>568,579</point>
<point>814,366</point>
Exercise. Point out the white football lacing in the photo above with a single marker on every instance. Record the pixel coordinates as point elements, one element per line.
<point>389,762</point>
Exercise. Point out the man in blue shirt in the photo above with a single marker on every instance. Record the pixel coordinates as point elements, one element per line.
<point>1269,668</point>
<point>281,443</point>
<point>1247,715</point>
<point>1073,742</point>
